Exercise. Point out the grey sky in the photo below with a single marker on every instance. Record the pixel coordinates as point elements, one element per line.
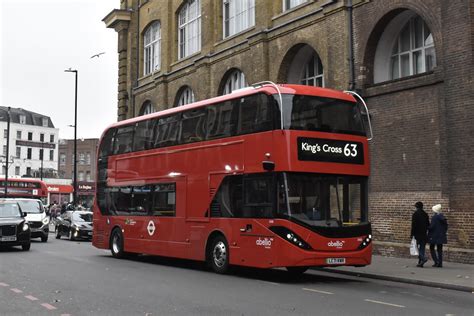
<point>39,40</point>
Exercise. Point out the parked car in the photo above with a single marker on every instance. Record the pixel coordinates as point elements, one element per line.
<point>14,228</point>
<point>74,225</point>
<point>35,215</point>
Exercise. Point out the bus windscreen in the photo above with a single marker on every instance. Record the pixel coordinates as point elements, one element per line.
<point>301,112</point>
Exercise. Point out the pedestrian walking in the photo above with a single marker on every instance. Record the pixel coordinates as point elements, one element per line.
<point>419,229</point>
<point>437,235</point>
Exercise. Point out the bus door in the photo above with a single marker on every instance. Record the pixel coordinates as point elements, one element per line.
<point>165,227</point>
<point>254,240</point>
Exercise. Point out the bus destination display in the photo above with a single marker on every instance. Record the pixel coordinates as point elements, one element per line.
<point>328,150</point>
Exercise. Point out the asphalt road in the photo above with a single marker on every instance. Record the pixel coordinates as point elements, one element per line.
<point>61,277</point>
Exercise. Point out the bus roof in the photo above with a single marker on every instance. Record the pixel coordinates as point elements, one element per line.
<point>265,88</point>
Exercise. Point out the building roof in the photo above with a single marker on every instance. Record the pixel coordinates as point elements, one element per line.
<point>32,118</point>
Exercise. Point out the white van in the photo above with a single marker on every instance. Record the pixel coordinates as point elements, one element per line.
<point>35,215</point>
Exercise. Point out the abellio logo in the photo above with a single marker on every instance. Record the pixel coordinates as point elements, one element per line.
<point>337,244</point>
<point>264,242</point>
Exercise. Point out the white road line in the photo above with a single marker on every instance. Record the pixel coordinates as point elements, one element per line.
<point>3,284</point>
<point>16,290</point>
<point>31,298</point>
<point>272,283</point>
<point>317,291</point>
<point>48,306</point>
<point>384,303</point>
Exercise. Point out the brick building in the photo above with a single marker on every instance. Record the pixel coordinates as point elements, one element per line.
<point>86,166</point>
<point>412,60</point>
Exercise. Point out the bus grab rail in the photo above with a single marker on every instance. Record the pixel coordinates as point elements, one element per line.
<point>366,108</point>
<point>260,84</point>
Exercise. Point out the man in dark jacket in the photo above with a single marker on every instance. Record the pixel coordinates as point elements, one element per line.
<point>419,229</point>
<point>437,235</point>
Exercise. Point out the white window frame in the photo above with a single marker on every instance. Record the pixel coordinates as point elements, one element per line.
<point>318,72</point>
<point>290,4</point>
<point>235,80</point>
<point>189,29</point>
<point>152,49</point>
<point>147,108</point>
<point>397,54</point>
<point>22,119</point>
<point>238,15</point>
<point>186,97</point>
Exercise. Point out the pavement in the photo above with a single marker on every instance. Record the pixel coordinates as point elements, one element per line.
<point>453,276</point>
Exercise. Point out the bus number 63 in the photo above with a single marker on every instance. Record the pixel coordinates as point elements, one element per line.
<point>350,150</point>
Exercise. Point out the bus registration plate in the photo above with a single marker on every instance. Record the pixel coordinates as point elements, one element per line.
<point>336,260</point>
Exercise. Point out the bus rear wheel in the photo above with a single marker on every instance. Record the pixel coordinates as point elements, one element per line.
<point>218,255</point>
<point>116,244</point>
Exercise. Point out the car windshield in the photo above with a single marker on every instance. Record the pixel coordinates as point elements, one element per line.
<point>9,210</point>
<point>322,200</point>
<point>82,217</point>
<point>30,206</point>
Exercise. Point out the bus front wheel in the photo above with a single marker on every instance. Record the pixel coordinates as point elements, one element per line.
<point>219,255</point>
<point>296,271</point>
<point>116,244</point>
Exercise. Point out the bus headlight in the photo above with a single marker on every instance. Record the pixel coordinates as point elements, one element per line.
<point>366,242</point>
<point>290,237</point>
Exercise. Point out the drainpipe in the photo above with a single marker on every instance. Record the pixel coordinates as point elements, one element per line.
<point>352,81</point>
<point>137,61</point>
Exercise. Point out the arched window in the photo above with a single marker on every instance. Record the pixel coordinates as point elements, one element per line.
<point>313,74</point>
<point>186,97</point>
<point>413,51</point>
<point>238,16</point>
<point>152,47</point>
<point>147,108</point>
<point>235,80</point>
<point>405,48</point>
<point>189,28</point>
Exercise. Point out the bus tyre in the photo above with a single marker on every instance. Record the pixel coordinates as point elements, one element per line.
<point>26,247</point>
<point>219,255</point>
<point>116,244</point>
<point>296,271</point>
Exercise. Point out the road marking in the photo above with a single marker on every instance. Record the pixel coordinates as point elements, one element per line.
<point>16,290</point>
<point>3,284</point>
<point>317,291</point>
<point>384,303</point>
<point>48,306</point>
<point>31,298</point>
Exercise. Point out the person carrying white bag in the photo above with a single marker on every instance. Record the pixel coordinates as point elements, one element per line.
<point>419,230</point>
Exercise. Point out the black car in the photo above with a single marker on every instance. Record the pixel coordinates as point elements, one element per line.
<point>74,225</point>
<point>14,228</point>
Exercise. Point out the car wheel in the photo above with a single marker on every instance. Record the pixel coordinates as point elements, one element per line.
<point>296,271</point>
<point>58,235</point>
<point>116,244</point>
<point>70,236</point>
<point>26,247</point>
<point>218,255</point>
<point>44,238</point>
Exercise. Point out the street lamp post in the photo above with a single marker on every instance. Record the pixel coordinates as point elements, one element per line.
<point>42,158</point>
<point>74,194</point>
<point>7,153</point>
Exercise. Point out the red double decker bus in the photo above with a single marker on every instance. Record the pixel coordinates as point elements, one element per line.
<point>268,176</point>
<point>23,188</point>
